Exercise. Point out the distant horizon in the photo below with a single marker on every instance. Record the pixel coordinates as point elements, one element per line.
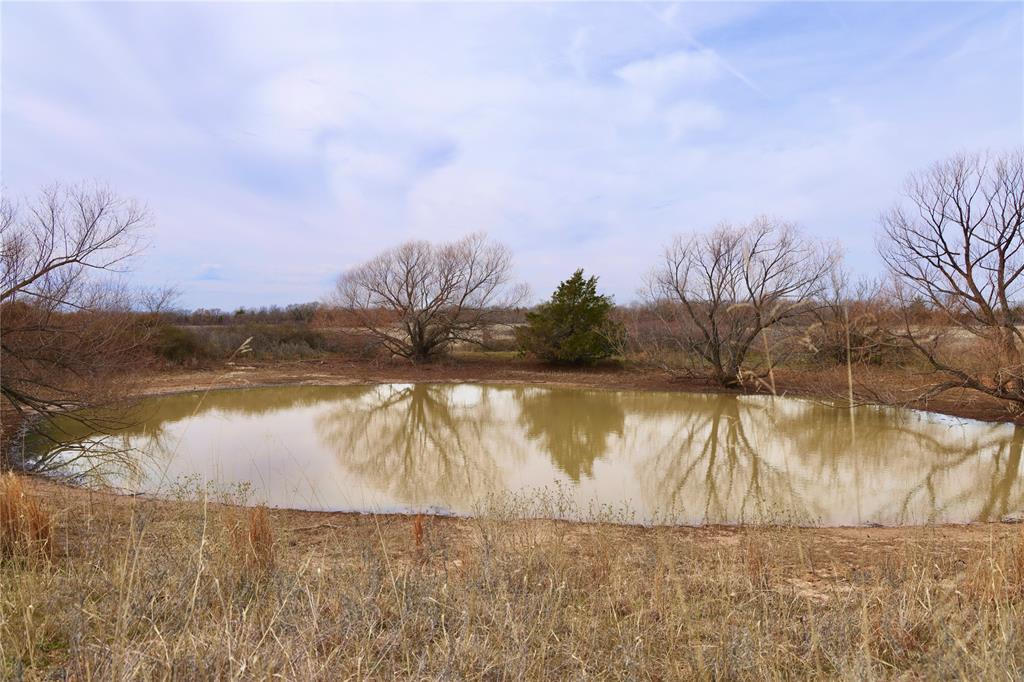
<point>277,145</point>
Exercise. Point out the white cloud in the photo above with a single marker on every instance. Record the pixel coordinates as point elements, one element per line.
<point>670,71</point>
<point>209,272</point>
<point>287,141</point>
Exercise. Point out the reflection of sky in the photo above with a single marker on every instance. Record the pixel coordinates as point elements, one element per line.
<point>465,395</point>
<point>685,457</point>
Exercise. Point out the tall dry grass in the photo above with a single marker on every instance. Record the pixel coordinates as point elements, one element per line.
<point>25,527</point>
<point>252,540</point>
<point>194,590</point>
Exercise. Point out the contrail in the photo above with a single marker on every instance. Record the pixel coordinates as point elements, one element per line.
<point>722,61</point>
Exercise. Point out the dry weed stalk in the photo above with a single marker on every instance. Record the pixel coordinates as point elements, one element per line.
<point>25,528</point>
<point>756,562</point>
<point>253,540</point>
<point>261,538</point>
<point>417,530</point>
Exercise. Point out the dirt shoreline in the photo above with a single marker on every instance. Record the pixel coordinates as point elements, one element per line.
<point>327,372</point>
<point>830,384</point>
<point>373,576</point>
<point>317,527</point>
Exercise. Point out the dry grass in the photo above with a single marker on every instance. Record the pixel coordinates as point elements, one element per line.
<point>24,525</point>
<point>150,590</point>
<point>252,540</point>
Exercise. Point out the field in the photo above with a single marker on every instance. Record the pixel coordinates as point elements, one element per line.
<point>103,586</point>
<point>130,589</point>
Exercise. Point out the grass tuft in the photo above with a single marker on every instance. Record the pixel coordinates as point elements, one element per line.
<point>417,530</point>
<point>25,528</point>
<point>252,541</point>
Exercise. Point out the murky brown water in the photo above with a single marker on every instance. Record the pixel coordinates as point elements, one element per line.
<point>665,457</point>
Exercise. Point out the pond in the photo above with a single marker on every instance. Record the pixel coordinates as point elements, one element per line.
<point>630,456</point>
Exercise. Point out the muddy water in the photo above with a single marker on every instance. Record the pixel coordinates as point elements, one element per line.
<point>627,456</point>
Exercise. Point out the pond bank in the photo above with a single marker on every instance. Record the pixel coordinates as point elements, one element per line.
<point>872,384</point>
<point>615,455</point>
<point>483,369</point>
<point>850,546</point>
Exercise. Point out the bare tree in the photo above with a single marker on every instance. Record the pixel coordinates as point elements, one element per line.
<point>419,298</point>
<point>61,326</point>
<point>957,243</point>
<point>719,293</point>
<point>852,323</point>
<point>159,300</point>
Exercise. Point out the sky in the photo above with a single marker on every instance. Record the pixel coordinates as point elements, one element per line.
<point>276,145</point>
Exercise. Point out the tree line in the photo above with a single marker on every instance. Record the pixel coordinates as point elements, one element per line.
<point>728,304</point>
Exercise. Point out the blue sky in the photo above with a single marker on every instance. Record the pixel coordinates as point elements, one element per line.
<point>278,144</point>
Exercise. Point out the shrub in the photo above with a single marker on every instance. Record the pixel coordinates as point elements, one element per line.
<point>574,327</point>
<point>268,341</point>
<point>284,341</point>
<point>179,345</point>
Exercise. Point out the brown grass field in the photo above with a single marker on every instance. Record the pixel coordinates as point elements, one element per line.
<point>99,586</point>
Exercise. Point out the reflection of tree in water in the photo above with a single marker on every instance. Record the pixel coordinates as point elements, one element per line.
<point>572,426</point>
<point>707,462</point>
<point>739,459</point>
<point>1006,479</point>
<point>715,458</point>
<point>424,444</point>
<point>946,468</point>
<point>992,490</point>
<point>142,431</point>
<point>155,414</point>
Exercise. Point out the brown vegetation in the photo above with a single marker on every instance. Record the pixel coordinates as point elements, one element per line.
<point>142,589</point>
<point>252,539</point>
<point>24,527</point>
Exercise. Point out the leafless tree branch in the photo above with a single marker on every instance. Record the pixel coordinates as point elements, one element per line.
<point>419,298</point>
<point>719,293</point>
<point>956,244</point>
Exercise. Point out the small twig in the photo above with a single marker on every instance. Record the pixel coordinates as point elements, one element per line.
<point>317,527</point>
